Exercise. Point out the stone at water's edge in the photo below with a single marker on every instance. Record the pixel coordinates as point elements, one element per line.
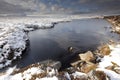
<point>87,67</point>
<point>85,62</point>
<point>115,21</point>
<point>88,56</point>
<point>104,50</point>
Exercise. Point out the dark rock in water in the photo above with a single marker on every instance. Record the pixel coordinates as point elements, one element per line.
<point>11,55</point>
<point>73,50</point>
<point>72,54</point>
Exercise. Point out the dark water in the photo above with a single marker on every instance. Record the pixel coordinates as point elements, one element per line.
<point>85,34</point>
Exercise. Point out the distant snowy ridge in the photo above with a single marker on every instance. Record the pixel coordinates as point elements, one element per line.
<point>13,36</point>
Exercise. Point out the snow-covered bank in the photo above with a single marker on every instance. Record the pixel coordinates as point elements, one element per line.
<point>41,72</point>
<point>107,69</point>
<point>14,37</point>
<point>115,21</point>
<point>110,64</point>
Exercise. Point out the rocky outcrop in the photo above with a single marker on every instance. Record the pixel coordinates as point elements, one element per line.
<point>115,21</point>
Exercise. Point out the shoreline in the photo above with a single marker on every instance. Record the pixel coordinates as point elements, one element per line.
<point>103,64</point>
<point>115,21</point>
<point>14,37</point>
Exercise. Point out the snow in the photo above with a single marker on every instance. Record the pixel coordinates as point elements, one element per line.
<point>51,71</point>
<point>14,35</point>
<point>27,75</point>
<point>67,76</point>
<point>113,59</point>
<point>48,78</point>
<point>52,74</point>
<point>13,40</point>
<point>79,75</point>
<point>113,75</point>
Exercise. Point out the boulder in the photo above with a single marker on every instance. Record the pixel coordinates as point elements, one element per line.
<point>74,64</point>
<point>87,67</point>
<point>97,75</point>
<point>88,56</point>
<point>104,50</point>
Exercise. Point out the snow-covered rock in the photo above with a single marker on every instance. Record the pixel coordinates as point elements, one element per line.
<point>111,62</point>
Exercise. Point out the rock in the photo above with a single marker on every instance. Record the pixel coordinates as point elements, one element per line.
<point>87,67</point>
<point>104,50</point>
<point>57,65</point>
<point>70,49</point>
<point>79,76</point>
<point>114,67</point>
<point>97,75</point>
<point>73,50</point>
<point>115,21</point>
<point>88,56</point>
<point>76,63</point>
<point>110,67</point>
<point>117,70</point>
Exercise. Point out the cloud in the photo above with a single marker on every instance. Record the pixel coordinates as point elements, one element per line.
<point>12,7</point>
<point>57,6</point>
<point>25,4</point>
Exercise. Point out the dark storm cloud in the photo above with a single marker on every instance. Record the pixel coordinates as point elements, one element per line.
<point>58,6</point>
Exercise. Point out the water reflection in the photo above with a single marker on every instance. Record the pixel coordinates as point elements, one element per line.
<point>52,43</point>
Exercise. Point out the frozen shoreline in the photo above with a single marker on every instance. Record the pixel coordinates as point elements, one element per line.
<point>108,68</point>
<point>14,36</point>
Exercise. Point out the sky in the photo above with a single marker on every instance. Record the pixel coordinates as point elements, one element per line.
<point>58,6</point>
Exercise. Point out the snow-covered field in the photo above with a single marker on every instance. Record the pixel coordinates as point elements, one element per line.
<point>13,35</point>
